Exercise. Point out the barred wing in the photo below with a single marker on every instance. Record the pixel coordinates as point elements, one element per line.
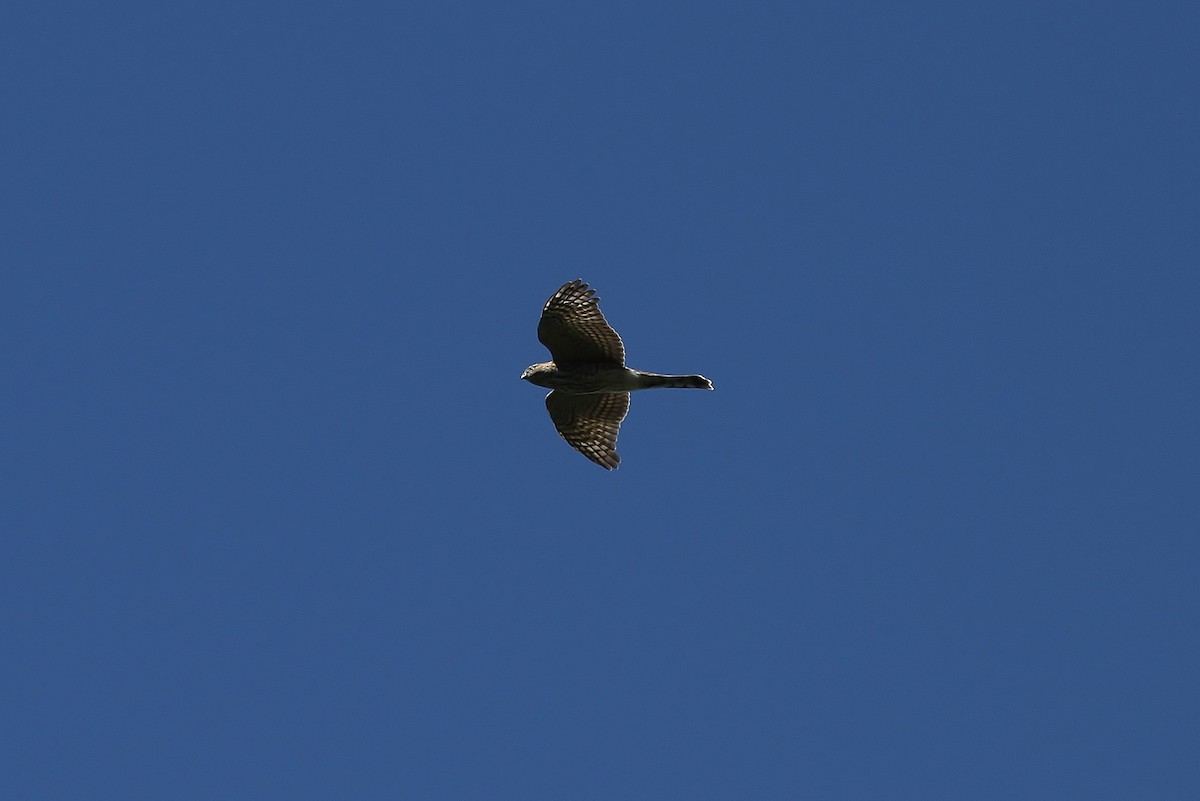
<point>574,330</point>
<point>590,423</point>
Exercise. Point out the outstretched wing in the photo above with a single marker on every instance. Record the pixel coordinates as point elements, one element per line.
<point>575,331</point>
<point>590,423</point>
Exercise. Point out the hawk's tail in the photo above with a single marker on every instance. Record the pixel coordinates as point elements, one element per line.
<point>651,380</point>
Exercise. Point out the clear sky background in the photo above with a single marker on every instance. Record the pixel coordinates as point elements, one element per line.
<point>280,521</point>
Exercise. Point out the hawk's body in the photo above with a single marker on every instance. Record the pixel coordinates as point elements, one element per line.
<point>588,376</point>
<point>590,379</point>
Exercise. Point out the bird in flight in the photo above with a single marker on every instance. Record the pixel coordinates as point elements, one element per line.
<point>588,379</point>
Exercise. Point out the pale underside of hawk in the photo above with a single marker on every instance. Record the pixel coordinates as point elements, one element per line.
<point>589,380</point>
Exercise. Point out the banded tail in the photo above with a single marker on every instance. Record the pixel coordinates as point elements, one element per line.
<point>652,380</point>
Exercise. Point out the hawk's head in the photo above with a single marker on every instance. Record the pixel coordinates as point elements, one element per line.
<point>539,373</point>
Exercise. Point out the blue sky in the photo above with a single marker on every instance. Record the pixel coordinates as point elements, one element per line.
<point>281,521</point>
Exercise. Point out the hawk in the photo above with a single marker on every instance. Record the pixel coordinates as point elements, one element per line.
<point>589,380</point>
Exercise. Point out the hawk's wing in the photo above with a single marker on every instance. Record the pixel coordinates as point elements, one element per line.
<point>590,423</point>
<point>575,331</point>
